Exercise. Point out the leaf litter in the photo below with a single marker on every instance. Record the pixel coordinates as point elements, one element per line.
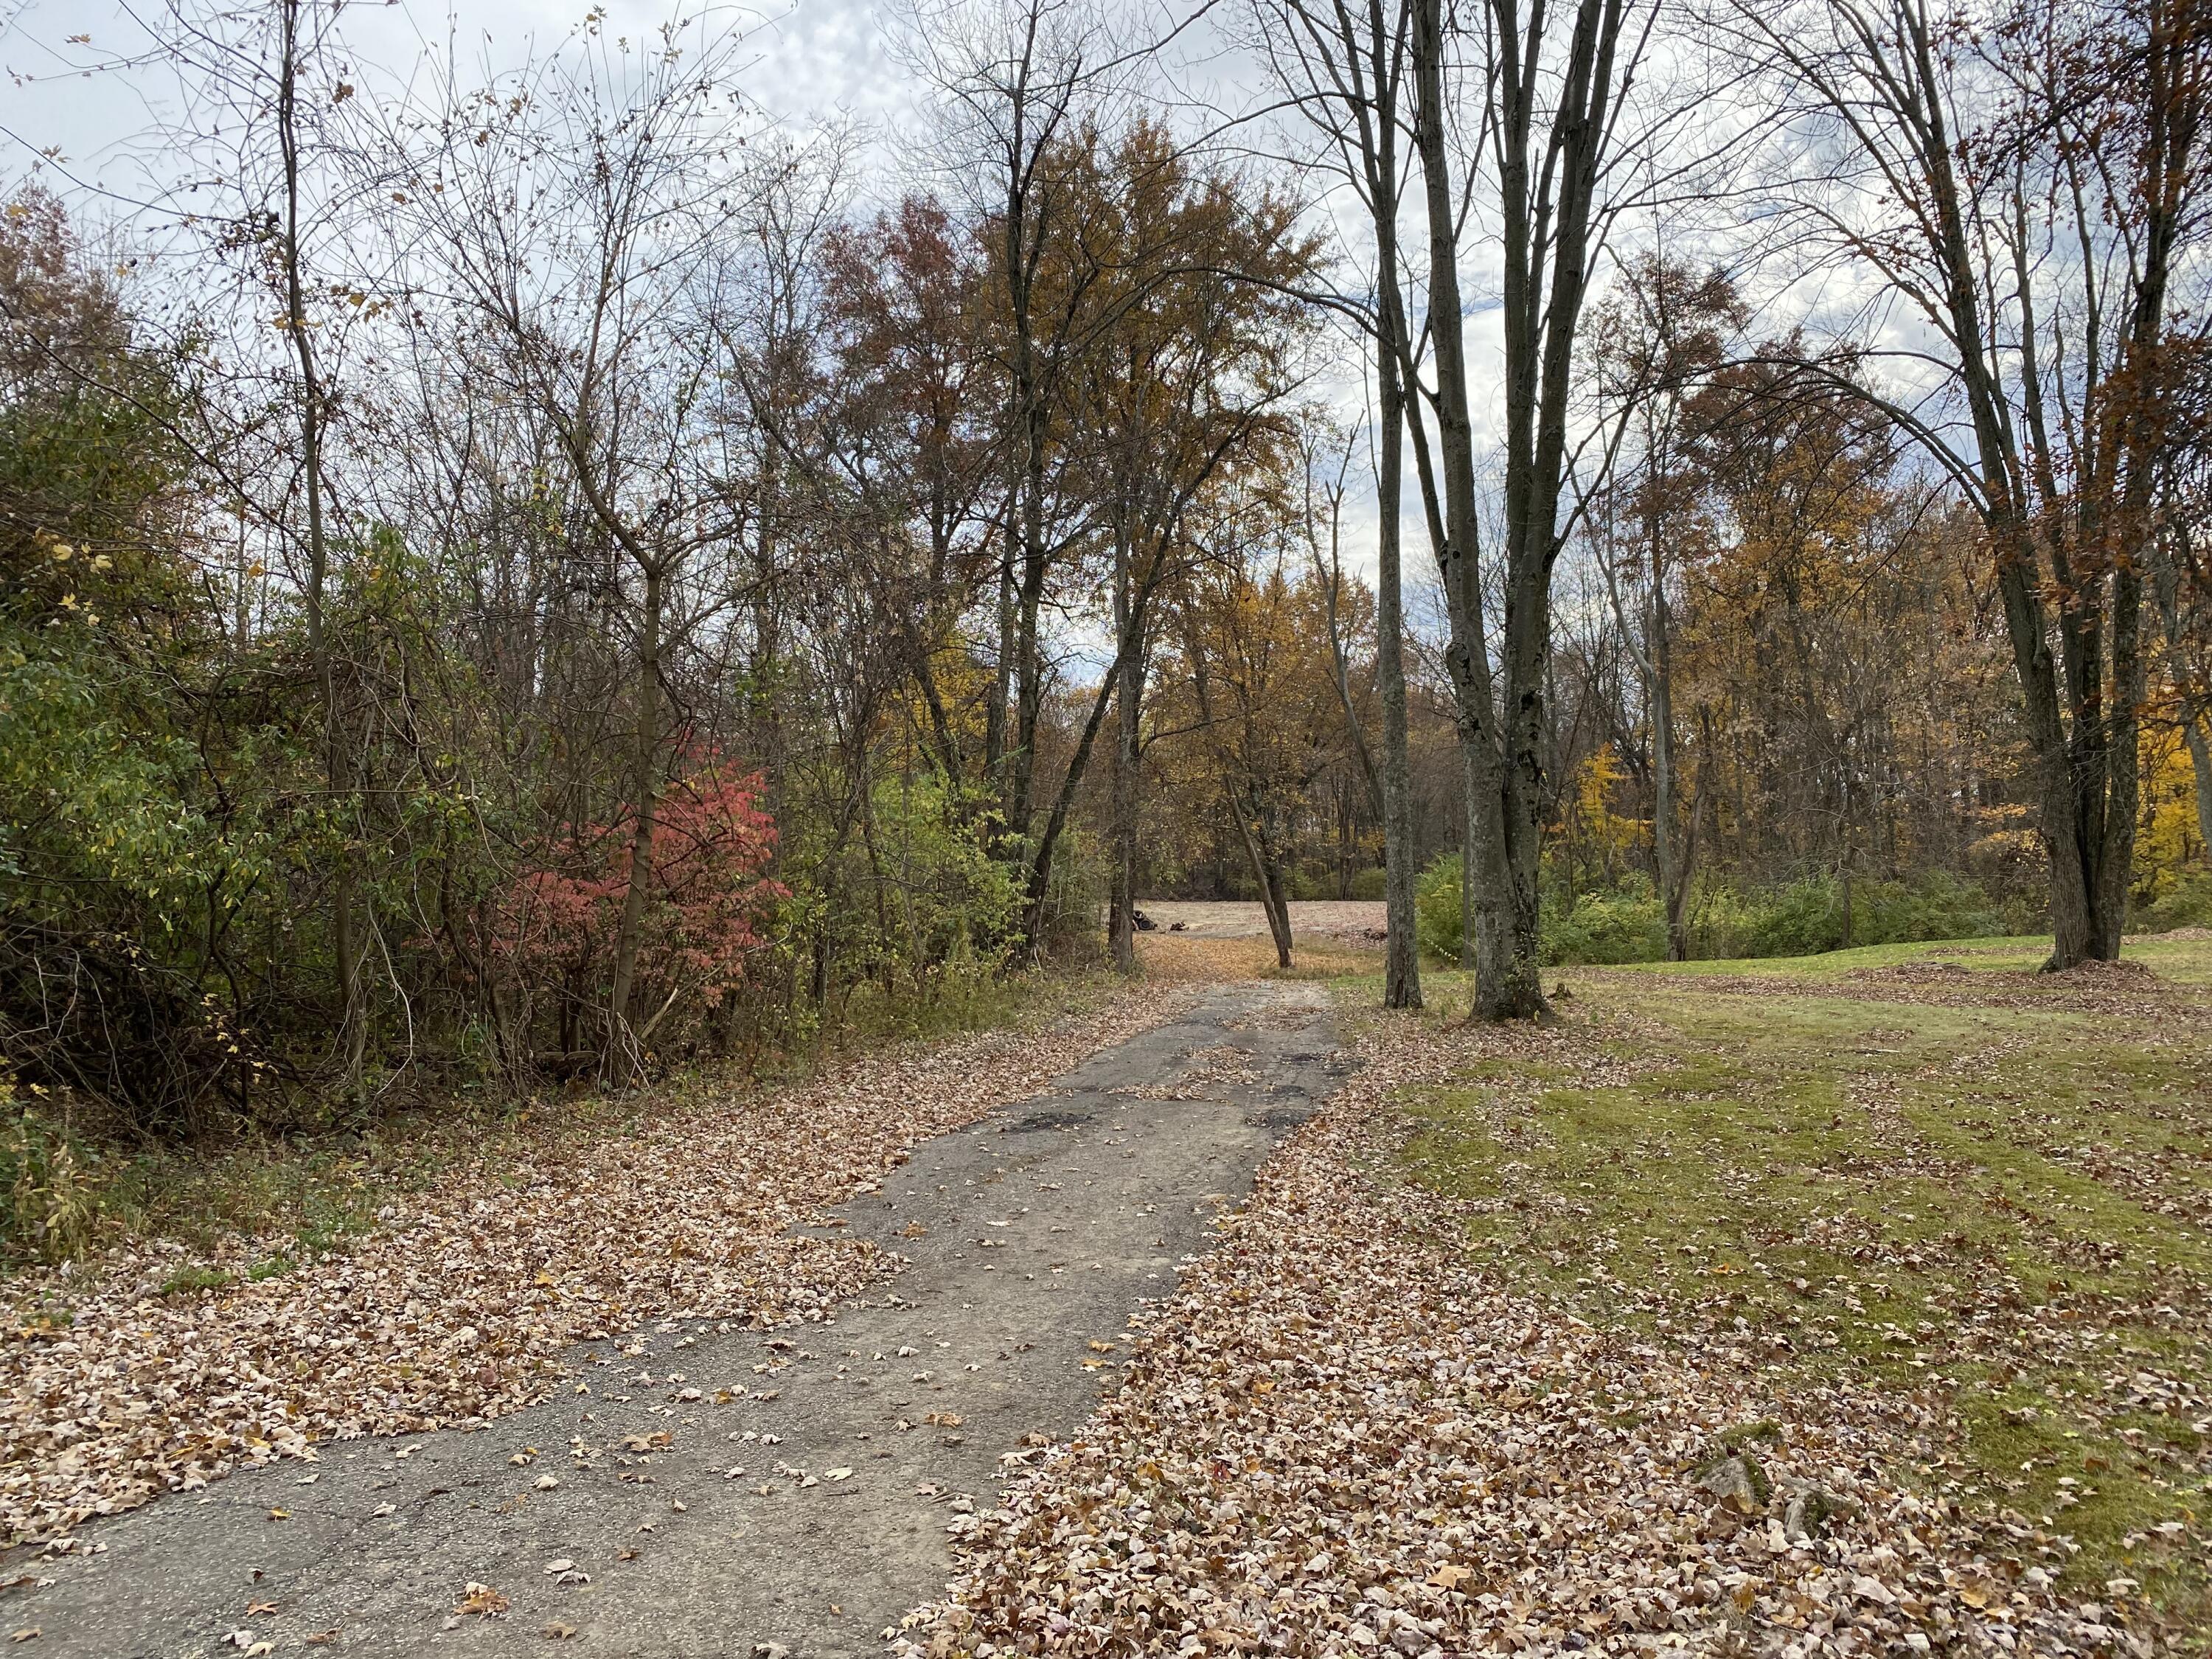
<point>1346,1435</point>
<point>455,1308</point>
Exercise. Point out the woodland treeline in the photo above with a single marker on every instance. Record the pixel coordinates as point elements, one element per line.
<point>544,575</point>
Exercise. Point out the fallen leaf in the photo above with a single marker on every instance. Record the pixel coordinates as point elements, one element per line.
<point>482,1601</point>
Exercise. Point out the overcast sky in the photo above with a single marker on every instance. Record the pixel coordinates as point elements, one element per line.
<point>814,60</point>
<point>88,126</point>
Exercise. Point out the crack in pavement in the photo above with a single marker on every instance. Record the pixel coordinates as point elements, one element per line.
<point>718,1488</point>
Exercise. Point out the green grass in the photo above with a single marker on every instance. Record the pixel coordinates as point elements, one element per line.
<point>2184,961</point>
<point>2010,1201</point>
<point>192,1281</point>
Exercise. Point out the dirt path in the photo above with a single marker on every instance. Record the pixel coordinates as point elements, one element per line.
<point>704,1491</point>
<point>1348,921</point>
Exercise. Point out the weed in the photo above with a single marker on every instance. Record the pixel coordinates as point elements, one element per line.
<point>191,1280</point>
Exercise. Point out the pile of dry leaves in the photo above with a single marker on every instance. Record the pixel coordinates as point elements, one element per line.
<point>1342,1438</point>
<point>456,1305</point>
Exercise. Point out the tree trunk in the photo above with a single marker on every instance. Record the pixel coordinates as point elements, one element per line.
<point>1550,162</point>
<point>1039,884</point>
<point>1673,878</point>
<point>994,713</point>
<point>353,1003</point>
<point>1501,830</point>
<point>2200,766</point>
<point>1122,912</point>
<point>1678,904</point>
<point>1469,803</point>
<point>1401,968</point>
<point>646,761</point>
<point>1266,872</point>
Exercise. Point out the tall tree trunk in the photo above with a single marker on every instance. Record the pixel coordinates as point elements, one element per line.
<point>1402,966</point>
<point>1550,161</point>
<point>346,946</point>
<point>1666,854</point>
<point>646,761</point>
<point>1121,914</point>
<point>1470,803</point>
<point>1002,681</point>
<point>1506,983</point>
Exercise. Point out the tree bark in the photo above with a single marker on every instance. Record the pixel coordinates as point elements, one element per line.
<point>1470,784</point>
<point>1506,985</point>
<point>353,1003</point>
<point>646,761</point>
<point>1267,874</point>
<point>1673,881</point>
<point>1550,162</point>
<point>1121,926</point>
<point>1401,963</point>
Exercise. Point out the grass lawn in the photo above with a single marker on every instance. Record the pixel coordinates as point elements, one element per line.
<point>1919,1167</point>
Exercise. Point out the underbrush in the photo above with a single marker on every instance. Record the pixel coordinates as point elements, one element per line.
<point>1817,912</point>
<point>67,1188</point>
<point>2187,901</point>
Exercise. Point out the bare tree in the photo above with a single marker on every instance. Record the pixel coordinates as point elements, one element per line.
<point>1341,67</point>
<point>576,212</point>
<point>1553,125</point>
<point>2028,195</point>
<point>1668,327</point>
<point>264,132</point>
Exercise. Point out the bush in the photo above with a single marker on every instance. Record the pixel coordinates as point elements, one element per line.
<point>1436,908</point>
<point>1370,883</point>
<point>2187,903</point>
<point>1806,916</point>
<point>1627,923</point>
<point>51,1203</point>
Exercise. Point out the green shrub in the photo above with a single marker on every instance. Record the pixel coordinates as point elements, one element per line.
<point>52,1203</point>
<point>1370,883</point>
<point>1806,916</point>
<point>2186,903</point>
<point>1627,923</point>
<point>1436,908</point>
